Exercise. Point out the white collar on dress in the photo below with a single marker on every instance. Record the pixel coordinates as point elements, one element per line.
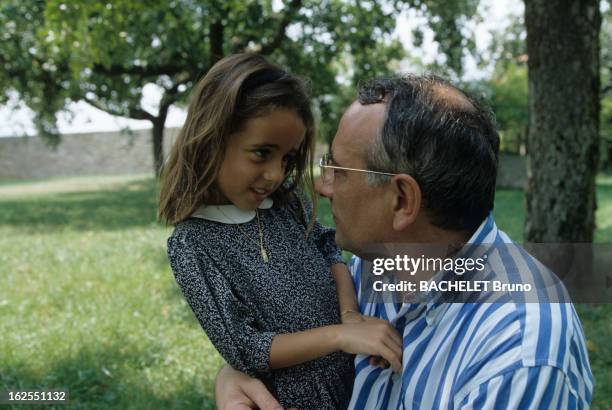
<point>229,214</point>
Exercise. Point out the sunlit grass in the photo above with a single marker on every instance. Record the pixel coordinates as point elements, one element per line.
<point>88,301</point>
<point>603,233</point>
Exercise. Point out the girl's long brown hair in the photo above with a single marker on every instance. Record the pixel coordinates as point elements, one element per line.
<point>236,88</point>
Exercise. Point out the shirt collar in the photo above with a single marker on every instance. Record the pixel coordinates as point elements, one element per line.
<point>229,214</point>
<point>481,240</point>
<point>485,234</point>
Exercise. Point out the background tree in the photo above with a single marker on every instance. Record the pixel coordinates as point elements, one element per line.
<point>606,89</point>
<point>30,64</point>
<point>105,52</point>
<point>450,23</point>
<point>506,88</point>
<point>564,89</point>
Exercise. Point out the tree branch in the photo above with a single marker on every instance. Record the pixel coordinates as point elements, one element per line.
<point>149,71</point>
<point>269,47</point>
<point>140,114</point>
<point>172,94</point>
<point>133,113</point>
<point>216,42</point>
<point>273,44</point>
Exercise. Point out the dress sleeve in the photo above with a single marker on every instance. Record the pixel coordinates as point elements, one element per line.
<point>226,319</point>
<point>321,235</point>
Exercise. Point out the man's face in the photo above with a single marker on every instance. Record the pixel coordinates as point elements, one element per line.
<point>358,209</point>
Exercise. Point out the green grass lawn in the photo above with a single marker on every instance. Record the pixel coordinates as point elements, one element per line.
<point>88,301</point>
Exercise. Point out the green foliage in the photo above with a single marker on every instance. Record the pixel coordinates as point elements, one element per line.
<point>507,45</point>
<point>507,95</point>
<point>30,65</point>
<point>448,20</point>
<point>506,91</point>
<point>605,39</point>
<point>509,101</point>
<point>606,131</point>
<point>105,52</point>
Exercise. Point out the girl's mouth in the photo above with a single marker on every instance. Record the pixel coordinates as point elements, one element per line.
<point>260,194</point>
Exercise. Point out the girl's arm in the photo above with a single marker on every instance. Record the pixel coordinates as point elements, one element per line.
<point>323,237</point>
<point>376,337</point>
<point>347,298</point>
<point>231,328</point>
<point>227,320</point>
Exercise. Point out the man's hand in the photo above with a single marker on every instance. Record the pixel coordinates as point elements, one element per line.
<point>235,390</point>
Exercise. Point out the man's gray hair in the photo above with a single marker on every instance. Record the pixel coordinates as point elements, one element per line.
<point>442,137</point>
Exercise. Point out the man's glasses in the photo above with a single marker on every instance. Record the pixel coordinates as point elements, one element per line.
<point>327,170</point>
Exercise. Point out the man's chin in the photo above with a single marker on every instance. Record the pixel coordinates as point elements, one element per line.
<point>339,238</point>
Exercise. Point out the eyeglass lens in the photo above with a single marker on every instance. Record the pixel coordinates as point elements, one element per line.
<point>327,174</point>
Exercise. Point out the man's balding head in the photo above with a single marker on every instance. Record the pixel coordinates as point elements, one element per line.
<point>442,137</point>
<point>447,97</point>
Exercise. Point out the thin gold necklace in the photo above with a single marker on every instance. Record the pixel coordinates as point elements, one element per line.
<point>262,249</point>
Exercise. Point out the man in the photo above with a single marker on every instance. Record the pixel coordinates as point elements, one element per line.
<point>414,161</point>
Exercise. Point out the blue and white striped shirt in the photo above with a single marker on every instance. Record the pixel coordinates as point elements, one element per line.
<point>478,355</point>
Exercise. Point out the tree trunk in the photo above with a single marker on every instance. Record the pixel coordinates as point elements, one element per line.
<point>563,49</point>
<point>158,139</point>
<point>158,147</point>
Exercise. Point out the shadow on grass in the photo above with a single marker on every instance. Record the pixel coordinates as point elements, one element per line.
<point>130,205</point>
<point>134,204</point>
<point>92,382</point>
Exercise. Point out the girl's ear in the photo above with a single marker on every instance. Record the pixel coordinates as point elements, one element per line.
<point>406,201</point>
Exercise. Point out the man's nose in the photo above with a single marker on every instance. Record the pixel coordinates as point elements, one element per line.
<point>323,189</point>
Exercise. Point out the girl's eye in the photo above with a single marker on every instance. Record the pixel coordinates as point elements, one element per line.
<point>261,153</point>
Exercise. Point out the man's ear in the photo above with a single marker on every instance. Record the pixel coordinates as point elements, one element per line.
<point>407,201</point>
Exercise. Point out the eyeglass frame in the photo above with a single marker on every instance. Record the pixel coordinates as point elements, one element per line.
<point>327,158</point>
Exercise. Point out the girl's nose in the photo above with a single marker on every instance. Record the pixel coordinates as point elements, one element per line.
<point>274,173</point>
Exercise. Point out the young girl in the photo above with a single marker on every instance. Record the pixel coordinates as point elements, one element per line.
<point>250,258</point>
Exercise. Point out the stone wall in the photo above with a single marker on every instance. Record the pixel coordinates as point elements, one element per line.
<point>99,153</point>
<point>112,153</point>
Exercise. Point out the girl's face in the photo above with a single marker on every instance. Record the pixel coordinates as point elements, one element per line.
<point>257,157</point>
